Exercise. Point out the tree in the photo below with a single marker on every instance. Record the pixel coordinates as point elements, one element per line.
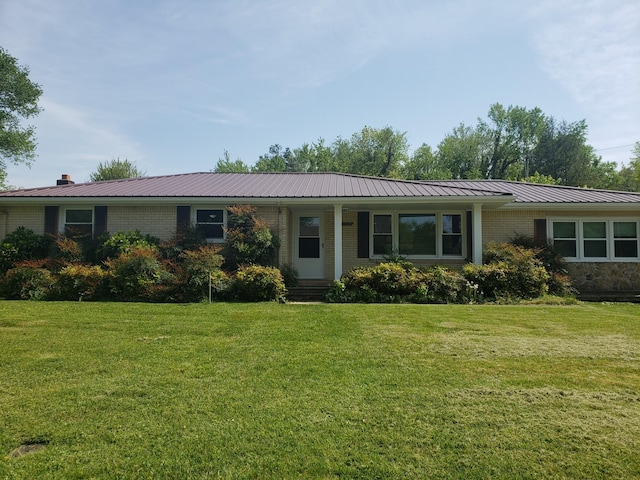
<point>460,153</point>
<point>276,160</point>
<point>18,100</point>
<point>375,152</point>
<point>424,165</point>
<point>630,175</point>
<point>562,152</point>
<point>510,135</point>
<point>226,165</point>
<point>116,169</point>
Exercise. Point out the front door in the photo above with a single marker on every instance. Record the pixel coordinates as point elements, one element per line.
<point>309,246</point>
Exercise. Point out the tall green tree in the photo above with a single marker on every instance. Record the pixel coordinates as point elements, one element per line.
<point>562,152</point>
<point>116,169</point>
<point>18,100</point>
<point>510,135</point>
<point>424,165</point>
<point>461,153</point>
<point>226,165</point>
<point>276,160</point>
<point>375,152</point>
<point>629,176</point>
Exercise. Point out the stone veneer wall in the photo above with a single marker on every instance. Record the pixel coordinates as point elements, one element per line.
<point>603,276</point>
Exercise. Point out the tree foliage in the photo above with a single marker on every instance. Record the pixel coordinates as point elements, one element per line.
<point>511,143</point>
<point>226,165</point>
<point>116,169</point>
<point>18,100</point>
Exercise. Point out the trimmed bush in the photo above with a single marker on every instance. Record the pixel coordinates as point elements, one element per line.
<point>23,244</point>
<point>510,272</point>
<point>82,282</point>
<point>194,271</point>
<point>255,283</point>
<point>392,282</point>
<point>443,285</point>
<point>27,281</point>
<point>138,275</point>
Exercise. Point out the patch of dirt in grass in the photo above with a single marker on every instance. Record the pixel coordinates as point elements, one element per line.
<point>28,447</point>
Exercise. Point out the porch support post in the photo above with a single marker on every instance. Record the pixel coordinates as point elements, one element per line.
<point>337,241</point>
<point>477,233</point>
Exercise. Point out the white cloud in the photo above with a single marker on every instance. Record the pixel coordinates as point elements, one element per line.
<point>593,49</point>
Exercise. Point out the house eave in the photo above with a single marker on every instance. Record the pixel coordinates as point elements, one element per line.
<point>573,206</point>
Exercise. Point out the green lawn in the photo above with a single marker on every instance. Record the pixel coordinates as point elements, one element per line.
<point>113,390</point>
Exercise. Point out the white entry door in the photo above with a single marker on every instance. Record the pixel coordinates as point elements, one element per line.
<point>309,246</point>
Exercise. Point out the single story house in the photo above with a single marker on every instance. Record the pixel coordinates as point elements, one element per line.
<point>329,223</point>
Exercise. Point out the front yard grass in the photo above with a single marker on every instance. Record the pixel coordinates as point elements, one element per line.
<point>125,390</point>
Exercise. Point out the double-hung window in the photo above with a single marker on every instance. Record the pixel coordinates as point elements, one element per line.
<point>382,234</point>
<point>210,222</point>
<point>596,239</point>
<point>78,222</point>
<point>417,234</point>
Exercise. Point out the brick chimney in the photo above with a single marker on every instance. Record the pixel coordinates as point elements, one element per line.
<point>65,180</point>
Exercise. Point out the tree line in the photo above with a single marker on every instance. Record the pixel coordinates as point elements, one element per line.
<point>511,143</point>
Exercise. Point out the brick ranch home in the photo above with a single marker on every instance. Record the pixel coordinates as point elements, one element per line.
<point>329,223</point>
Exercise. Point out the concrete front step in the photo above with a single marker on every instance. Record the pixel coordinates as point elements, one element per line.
<point>308,293</point>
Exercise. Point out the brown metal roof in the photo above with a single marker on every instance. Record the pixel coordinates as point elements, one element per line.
<point>322,185</point>
<point>537,193</point>
<point>254,185</point>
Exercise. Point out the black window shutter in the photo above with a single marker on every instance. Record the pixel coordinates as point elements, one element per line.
<point>540,231</point>
<point>363,234</point>
<point>469,236</point>
<point>183,217</point>
<point>99,220</point>
<point>51,220</point>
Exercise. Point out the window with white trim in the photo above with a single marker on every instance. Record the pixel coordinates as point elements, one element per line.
<point>210,222</point>
<point>417,234</point>
<point>78,222</point>
<point>596,239</point>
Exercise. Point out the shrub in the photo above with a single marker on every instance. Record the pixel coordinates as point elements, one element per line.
<point>82,282</point>
<point>400,282</point>
<point>27,281</point>
<point>124,242</point>
<point>510,271</point>
<point>255,283</point>
<point>385,279</point>
<point>550,258</point>
<point>443,285</point>
<point>68,250</point>
<point>290,275</point>
<point>138,275</point>
<point>248,239</point>
<point>197,269</point>
<point>23,244</point>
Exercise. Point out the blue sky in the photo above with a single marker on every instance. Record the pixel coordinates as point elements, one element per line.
<point>171,85</point>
